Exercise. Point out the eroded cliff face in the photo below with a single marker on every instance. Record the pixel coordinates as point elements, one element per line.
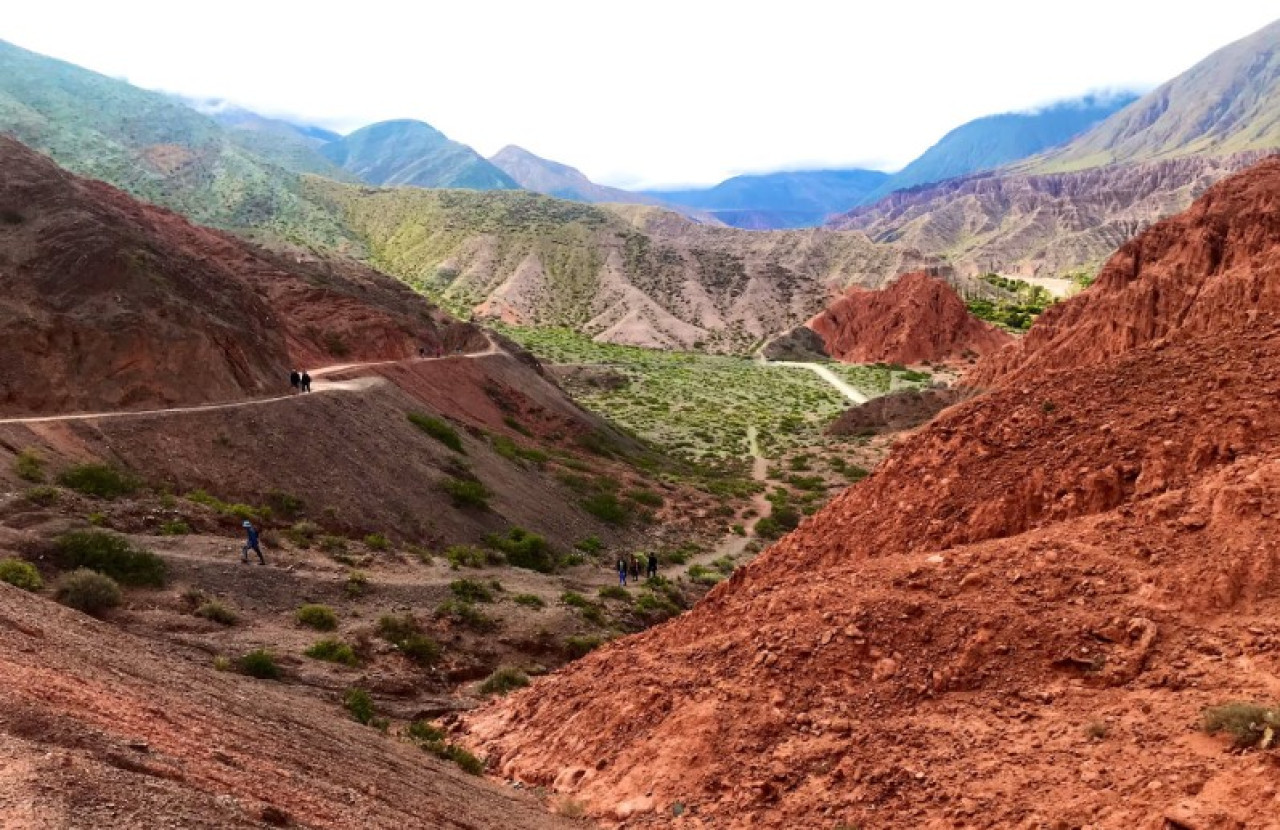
<point>1027,596</point>
<point>918,318</point>
<point>109,303</point>
<point>1213,268</point>
<point>1042,225</point>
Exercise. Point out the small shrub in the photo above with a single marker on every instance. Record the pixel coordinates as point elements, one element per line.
<point>648,498</point>
<point>465,613</point>
<point>112,555</point>
<point>523,549</point>
<point>574,599</point>
<point>319,617</point>
<point>43,496</point>
<point>357,583</point>
<point>394,628</point>
<point>595,615</point>
<point>221,663</point>
<point>512,451</point>
<point>424,731</point>
<point>303,534</point>
<point>376,541</point>
<point>1096,731</point>
<point>606,508</point>
<point>703,575</point>
<point>334,546</point>
<point>97,519</point>
<point>260,664</point>
<point>468,493</point>
<point>333,651</point>
<point>437,429</point>
<point>421,649</point>
<point>217,612</point>
<point>466,556</point>
<point>469,590</point>
<point>358,703</point>
<point>29,466</point>
<point>283,504</point>
<point>581,646</point>
<point>176,527</point>
<point>20,574</point>
<point>529,600</point>
<point>1250,724</point>
<point>590,545</point>
<point>467,762</point>
<point>1048,407</point>
<point>98,480</point>
<point>504,680</point>
<point>615,592</point>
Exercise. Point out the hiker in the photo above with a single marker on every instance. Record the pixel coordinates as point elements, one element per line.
<point>295,379</point>
<point>622,571</point>
<point>635,569</point>
<point>422,351</point>
<point>653,565</point>
<point>251,544</point>
<point>306,381</point>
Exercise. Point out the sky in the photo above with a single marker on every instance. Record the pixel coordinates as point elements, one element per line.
<point>645,94</point>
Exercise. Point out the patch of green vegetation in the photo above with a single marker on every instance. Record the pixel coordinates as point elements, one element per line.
<point>360,706</point>
<point>469,556</point>
<point>523,549</point>
<point>468,493</point>
<point>607,508</point>
<point>438,429</point>
<point>470,590</point>
<point>41,495</point>
<point>20,574</point>
<point>615,592</point>
<point>377,541</point>
<point>260,664</point>
<point>512,451</point>
<point>529,600</point>
<point>87,591</point>
<point>1250,724</point>
<point>590,545</point>
<point>234,510</point>
<point>174,527</point>
<point>319,617</point>
<point>406,635</point>
<point>215,611</point>
<point>432,739</point>
<point>703,575</point>
<point>503,681</point>
<point>466,614</point>
<point>1028,302</point>
<point>100,481</point>
<point>303,534</point>
<point>110,554</point>
<point>333,651</point>
<point>29,465</point>
<point>581,645</point>
<point>357,583</point>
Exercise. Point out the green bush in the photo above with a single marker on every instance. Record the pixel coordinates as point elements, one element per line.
<point>432,739</point>
<point>469,590</point>
<point>87,591</point>
<point>20,574</point>
<point>217,612</point>
<point>319,617</point>
<point>1250,724</point>
<point>615,592</point>
<point>260,664</point>
<point>703,575</point>
<point>235,511</point>
<point>424,731</point>
<point>303,534</point>
<point>404,633</point>
<point>393,628</point>
<point>512,451</point>
<point>112,555</point>
<point>376,541</point>
<point>437,429</point>
<point>465,613</point>
<point>575,647</point>
<point>333,651</point>
<point>29,466</point>
<point>504,680</point>
<point>606,508</point>
<point>467,556</point>
<point>98,480</point>
<point>357,583</point>
<point>467,493</point>
<point>176,527</point>
<point>648,498</point>
<point>42,495</point>
<point>283,504</point>
<point>467,762</point>
<point>357,702</point>
<point>590,545</point>
<point>575,600</point>
<point>525,550</point>
<point>529,600</point>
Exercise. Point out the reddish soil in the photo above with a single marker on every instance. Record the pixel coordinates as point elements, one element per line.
<point>915,320</point>
<point>99,728</point>
<point>896,411</point>
<point>109,303</point>
<point>1016,621</point>
<point>1214,267</point>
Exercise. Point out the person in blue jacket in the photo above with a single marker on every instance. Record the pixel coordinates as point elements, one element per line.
<point>251,544</point>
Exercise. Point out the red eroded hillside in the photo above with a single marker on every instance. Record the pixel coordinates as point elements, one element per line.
<point>916,319</point>
<point>1017,621</point>
<point>1214,267</point>
<point>109,303</point>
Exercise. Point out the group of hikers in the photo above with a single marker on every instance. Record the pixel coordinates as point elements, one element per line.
<point>300,381</point>
<point>630,564</point>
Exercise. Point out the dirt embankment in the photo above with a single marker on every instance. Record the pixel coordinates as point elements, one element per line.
<point>1016,621</point>
<point>916,319</point>
<point>896,411</point>
<point>109,303</point>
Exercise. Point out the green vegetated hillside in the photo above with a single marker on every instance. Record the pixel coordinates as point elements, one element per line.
<point>292,146</point>
<point>626,274</point>
<point>153,147</point>
<point>1227,103</point>
<point>409,152</point>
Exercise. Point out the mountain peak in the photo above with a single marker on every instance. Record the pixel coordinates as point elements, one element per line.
<point>409,152</point>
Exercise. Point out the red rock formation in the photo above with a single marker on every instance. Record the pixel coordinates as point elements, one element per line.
<point>1016,621</point>
<point>109,303</point>
<point>916,319</point>
<point>1210,269</point>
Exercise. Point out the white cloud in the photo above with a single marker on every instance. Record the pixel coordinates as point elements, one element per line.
<point>666,91</point>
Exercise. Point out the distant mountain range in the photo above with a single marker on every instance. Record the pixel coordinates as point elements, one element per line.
<point>779,200</point>
<point>414,153</point>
